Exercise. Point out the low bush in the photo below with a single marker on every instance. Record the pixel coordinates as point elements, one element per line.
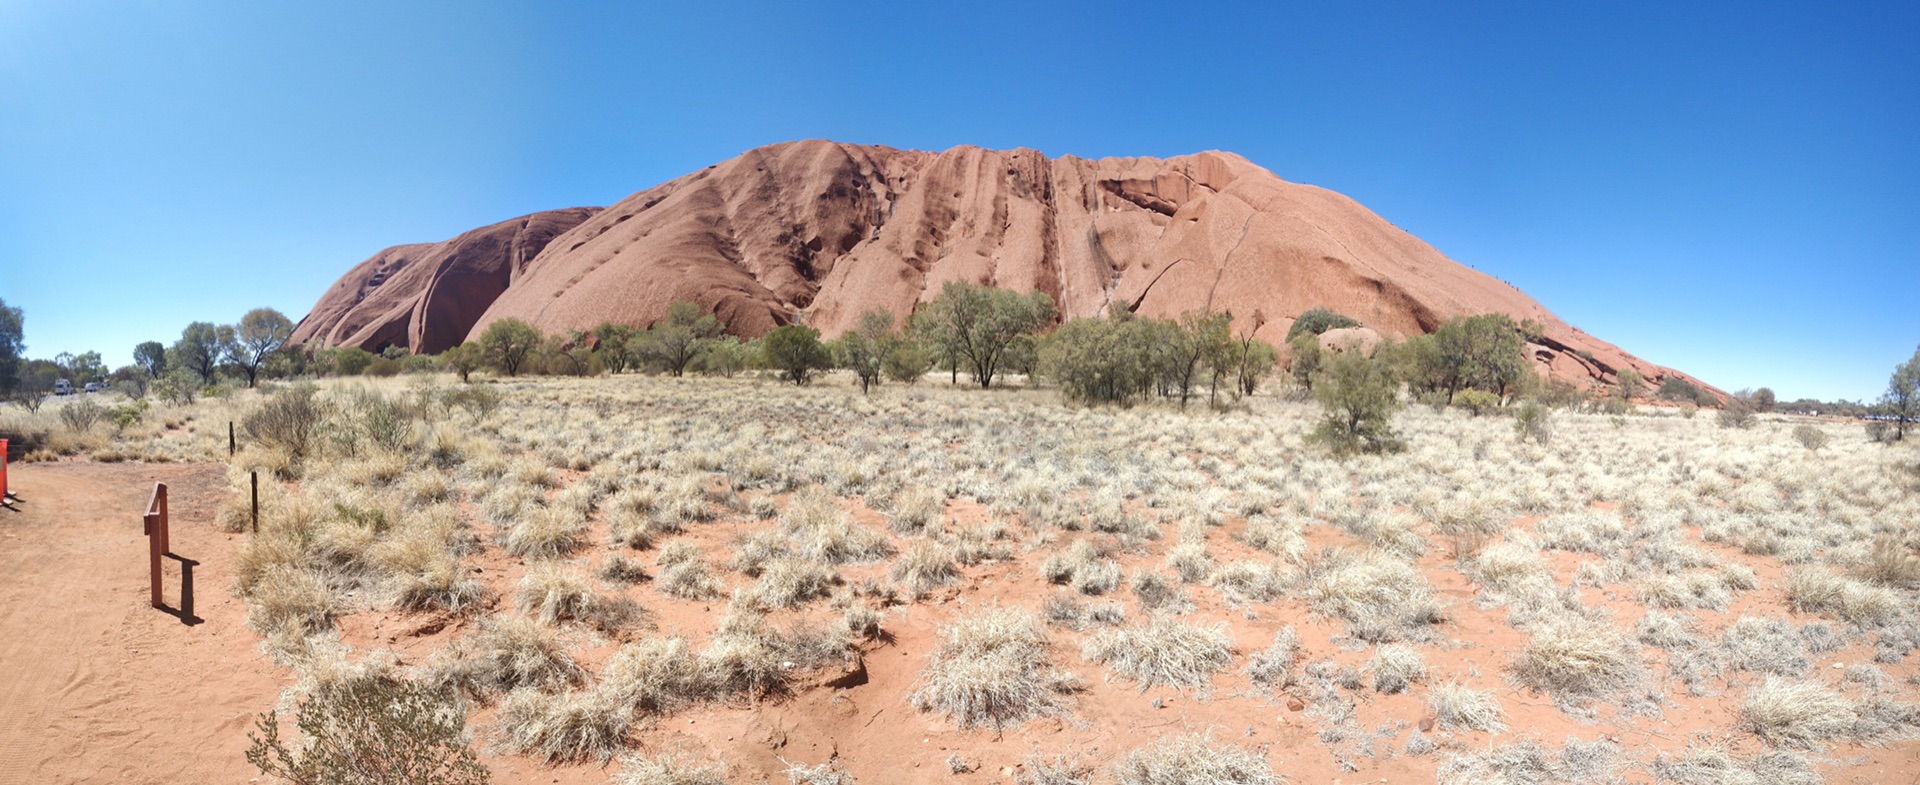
<point>990,670</point>
<point>1578,660</point>
<point>669,770</point>
<point>373,731</point>
<point>569,727</point>
<point>1190,760</point>
<point>1163,652</point>
<point>1458,706</point>
<point>1395,667</point>
<point>1795,713</point>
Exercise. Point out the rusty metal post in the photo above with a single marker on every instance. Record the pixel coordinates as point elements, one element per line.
<point>256,501</point>
<point>230,441</point>
<point>157,544</point>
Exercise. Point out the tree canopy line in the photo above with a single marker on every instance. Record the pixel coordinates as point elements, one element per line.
<point>1475,362</point>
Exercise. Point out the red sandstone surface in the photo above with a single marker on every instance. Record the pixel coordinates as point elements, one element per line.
<point>820,232</point>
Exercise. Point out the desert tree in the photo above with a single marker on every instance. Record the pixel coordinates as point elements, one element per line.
<point>614,343</point>
<point>1358,396</point>
<point>1253,359</point>
<point>1306,360</point>
<point>197,351</point>
<point>508,343</point>
<point>726,356</point>
<point>864,349</point>
<point>907,362</point>
<point>570,353</point>
<point>12,346</point>
<point>1902,399</point>
<point>975,325</point>
<point>152,357</point>
<point>1764,400</point>
<point>260,333</point>
<point>464,359</point>
<point>1628,383</point>
<point>1199,342</point>
<point>1482,352</point>
<point>796,352</point>
<point>677,341</point>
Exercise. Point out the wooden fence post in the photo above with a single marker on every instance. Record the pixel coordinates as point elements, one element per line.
<point>256,500</point>
<point>230,441</point>
<point>157,540</point>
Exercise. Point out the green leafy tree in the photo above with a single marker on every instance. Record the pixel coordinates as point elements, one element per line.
<point>1254,360</point>
<point>613,343</point>
<point>464,359</point>
<point>1307,358</point>
<point>350,360</point>
<point>1481,352</point>
<point>1198,343</point>
<point>1316,321</point>
<point>372,731</point>
<point>508,343</point>
<point>1628,383</point>
<point>796,352</point>
<point>1096,360</point>
<point>864,350</point>
<point>84,367</point>
<point>13,346</point>
<point>197,351</point>
<point>1358,396</point>
<point>907,362</point>
<point>1902,400</point>
<point>977,324</point>
<point>726,356</point>
<point>678,340</point>
<point>1679,390</point>
<point>152,357</point>
<point>259,334</point>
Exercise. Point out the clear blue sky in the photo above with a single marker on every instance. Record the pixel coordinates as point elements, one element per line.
<point>1731,190</point>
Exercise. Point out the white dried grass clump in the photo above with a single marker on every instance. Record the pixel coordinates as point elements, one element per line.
<point>1818,590</point>
<point>569,727</point>
<point>1380,597</point>
<point>1579,660</point>
<point>923,567</point>
<point>1163,652</point>
<point>1395,667</point>
<point>669,770</point>
<point>1457,706</point>
<point>1191,760</point>
<point>547,533</point>
<point>990,670</point>
<point>1800,714</point>
<point>1761,645</point>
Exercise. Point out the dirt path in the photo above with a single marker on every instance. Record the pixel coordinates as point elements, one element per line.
<point>95,686</point>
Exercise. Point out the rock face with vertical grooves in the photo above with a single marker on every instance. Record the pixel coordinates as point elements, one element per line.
<point>426,296</point>
<point>820,232</point>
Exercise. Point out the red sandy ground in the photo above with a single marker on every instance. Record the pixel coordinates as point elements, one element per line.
<point>95,686</point>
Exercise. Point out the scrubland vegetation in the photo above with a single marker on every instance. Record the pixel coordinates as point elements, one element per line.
<point>596,556</point>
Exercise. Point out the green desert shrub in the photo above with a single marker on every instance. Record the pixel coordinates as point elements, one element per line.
<point>373,731</point>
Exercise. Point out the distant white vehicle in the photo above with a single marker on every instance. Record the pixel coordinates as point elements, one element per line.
<point>63,387</point>
<point>94,387</point>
